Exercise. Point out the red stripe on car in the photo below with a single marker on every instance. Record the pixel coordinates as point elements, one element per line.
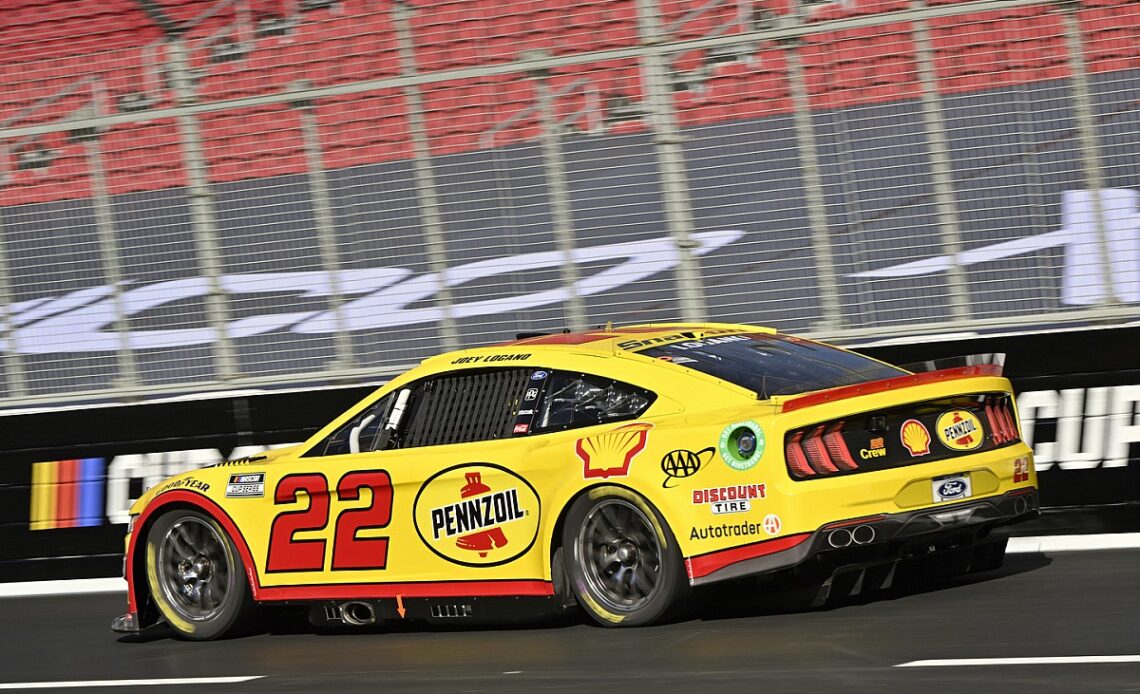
<point>843,392</point>
<point>705,564</point>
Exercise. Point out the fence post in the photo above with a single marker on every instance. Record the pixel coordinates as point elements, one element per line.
<point>435,238</point>
<point>1086,136</point>
<point>202,211</point>
<point>831,320</point>
<point>559,201</point>
<point>109,255</point>
<point>671,159</point>
<point>13,366</point>
<point>326,231</point>
<point>945,202</point>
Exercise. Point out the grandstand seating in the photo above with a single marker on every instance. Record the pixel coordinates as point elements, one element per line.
<point>258,47</point>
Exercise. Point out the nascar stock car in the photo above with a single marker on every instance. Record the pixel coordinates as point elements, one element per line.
<point>615,469</point>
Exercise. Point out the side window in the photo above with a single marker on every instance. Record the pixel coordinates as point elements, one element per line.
<point>573,400</point>
<point>463,406</point>
<point>361,433</point>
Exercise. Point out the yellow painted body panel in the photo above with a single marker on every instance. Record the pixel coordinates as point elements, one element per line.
<point>536,477</point>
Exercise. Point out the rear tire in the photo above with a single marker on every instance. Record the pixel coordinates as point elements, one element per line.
<point>622,561</point>
<point>195,576</point>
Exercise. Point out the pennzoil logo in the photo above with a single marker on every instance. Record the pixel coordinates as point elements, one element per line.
<point>478,514</point>
<point>915,438</point>
<point>609,454</point>
<point>959,430</point>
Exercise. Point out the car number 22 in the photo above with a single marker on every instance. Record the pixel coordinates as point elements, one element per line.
<point>349,552</point>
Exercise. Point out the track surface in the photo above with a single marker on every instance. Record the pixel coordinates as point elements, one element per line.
<point>1072,604</point>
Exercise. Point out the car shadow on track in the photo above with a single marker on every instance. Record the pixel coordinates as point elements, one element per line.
<point>784,595</point>
<point>741,599</point>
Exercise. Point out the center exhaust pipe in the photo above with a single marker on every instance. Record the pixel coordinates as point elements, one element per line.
<point>358,613</point>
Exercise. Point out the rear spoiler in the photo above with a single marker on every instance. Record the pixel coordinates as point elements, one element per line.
<point>982,368</point>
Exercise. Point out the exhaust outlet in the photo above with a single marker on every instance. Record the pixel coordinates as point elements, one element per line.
<point>839,538</point>
<point>1020,505</point>
<point>358,613</point>
<point>863,534</point>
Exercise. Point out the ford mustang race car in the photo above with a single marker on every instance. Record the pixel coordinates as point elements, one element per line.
<point>616,469</point>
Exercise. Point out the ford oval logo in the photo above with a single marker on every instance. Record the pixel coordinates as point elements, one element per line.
<point>952,488</point>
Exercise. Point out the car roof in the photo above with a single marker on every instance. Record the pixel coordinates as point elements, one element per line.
<point>610,340</point>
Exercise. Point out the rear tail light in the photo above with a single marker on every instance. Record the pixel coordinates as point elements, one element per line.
<point>818,451</point>
<point>999,417</point>
<point>837,447</point>
<point>817,454</point>
<point>797,461</point>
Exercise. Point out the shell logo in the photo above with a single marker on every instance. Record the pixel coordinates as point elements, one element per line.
<point>477,514</point>
<point>609,454</point>
<point>915,437</point>
<point>959,430</point>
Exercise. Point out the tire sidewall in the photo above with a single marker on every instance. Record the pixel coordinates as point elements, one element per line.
<point>673,583</point>
<point>237,600</point>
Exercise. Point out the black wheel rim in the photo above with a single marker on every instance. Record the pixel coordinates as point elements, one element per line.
<point>194,568</point>
<point>619,555</point>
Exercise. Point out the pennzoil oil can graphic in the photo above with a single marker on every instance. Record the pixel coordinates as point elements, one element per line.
<point>477,514</point>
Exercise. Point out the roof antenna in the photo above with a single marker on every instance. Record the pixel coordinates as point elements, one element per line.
<point>609,326</point>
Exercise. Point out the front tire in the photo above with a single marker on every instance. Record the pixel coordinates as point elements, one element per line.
<point>195,576</point>
<point>621,559</point>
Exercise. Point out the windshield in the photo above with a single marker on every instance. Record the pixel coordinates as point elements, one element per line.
<point>774,364</point>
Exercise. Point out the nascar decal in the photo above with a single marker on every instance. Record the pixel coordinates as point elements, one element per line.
<point>682,463</point>
<point>959,430</point>
<point>915,438</point>
<point>732,499</point>
<point>246,484</point>
<point>609,454</point>
<point>478,514</point>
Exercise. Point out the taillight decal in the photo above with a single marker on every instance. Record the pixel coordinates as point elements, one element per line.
<point>797,461</point>
<point>1005,413</point>
<point>997,431</point>
<point>837,447</point>
<point>817,452</point>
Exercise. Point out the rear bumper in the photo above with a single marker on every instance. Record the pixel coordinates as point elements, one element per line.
<point>887,536</point>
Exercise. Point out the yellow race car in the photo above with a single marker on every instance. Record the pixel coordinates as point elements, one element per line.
<point>615,469</point>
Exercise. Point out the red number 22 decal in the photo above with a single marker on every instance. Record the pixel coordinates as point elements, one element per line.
<point>286,553</point>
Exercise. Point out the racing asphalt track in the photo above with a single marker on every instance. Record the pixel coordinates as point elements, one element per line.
<point>1064,604</point>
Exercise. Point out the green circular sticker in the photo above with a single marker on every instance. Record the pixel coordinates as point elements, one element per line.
<point>741,445</point>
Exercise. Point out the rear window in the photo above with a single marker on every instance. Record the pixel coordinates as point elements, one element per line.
<point>773,364</point>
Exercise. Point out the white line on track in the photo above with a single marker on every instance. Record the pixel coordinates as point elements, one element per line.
<point>1054,660</point>
<point>75,586</point>
<point>1073,543</point>
<point>127,683</point>
<point>1017,545</point>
